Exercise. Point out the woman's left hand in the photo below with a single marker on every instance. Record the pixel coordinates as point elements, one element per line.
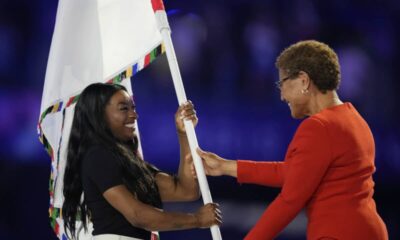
<point>185,112</point>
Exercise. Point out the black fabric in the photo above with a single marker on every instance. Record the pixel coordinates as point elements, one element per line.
<point>100,172</point>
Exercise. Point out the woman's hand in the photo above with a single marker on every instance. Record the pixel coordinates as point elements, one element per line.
<point>185,112</point>
<point>208,215</point>
<point>214,165</point>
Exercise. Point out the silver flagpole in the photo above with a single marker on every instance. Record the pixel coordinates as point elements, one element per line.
<point>165,30</point>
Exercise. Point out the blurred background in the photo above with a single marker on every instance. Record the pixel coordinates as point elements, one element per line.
<point>226,51</point>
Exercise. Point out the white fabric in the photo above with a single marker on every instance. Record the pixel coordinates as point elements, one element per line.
<point>95,39</point>
<point>113,237</point>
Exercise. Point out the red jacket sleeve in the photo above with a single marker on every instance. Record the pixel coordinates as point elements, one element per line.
<point>263,173</point>
<point>307,160</point>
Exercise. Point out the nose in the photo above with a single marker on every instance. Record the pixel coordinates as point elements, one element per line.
<point>133,114</point>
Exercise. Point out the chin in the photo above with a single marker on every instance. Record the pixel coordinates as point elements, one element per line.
<point>297,115</point>
<point>128,138</point>
<point>132,137</point>
<point>131,134</point>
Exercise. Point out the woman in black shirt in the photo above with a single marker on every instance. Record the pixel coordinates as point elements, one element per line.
<point>122,193</point>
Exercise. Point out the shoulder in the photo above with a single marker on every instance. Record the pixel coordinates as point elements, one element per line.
<point>312,137</point>
<point>313,130</point>
<point>337,114</point>
<point>101,166</point>
<point>329,118</point>
<point>313,123</point>
<point>99,155</point>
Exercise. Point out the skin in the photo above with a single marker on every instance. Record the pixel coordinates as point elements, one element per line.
<point>303,98</point>
<point>119,113</point>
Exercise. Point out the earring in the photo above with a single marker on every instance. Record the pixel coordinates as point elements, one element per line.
<point>304,91</point>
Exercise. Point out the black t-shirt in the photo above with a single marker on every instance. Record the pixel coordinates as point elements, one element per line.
<point>100,171</point>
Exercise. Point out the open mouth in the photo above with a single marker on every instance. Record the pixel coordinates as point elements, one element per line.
<point>130,125</point>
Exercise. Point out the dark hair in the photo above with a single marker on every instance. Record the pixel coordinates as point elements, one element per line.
<point>317,59</point>
<point>89,128</point>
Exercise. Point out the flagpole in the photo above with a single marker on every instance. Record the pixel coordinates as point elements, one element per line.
<point>165,30</point>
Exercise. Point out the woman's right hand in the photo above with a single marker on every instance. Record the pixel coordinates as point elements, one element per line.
<point>213,164</point>
<point>185,111</point>
<point>208,215</point>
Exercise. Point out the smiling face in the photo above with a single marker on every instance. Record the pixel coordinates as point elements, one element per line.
<point>292,92</point>
<point>120,114</point>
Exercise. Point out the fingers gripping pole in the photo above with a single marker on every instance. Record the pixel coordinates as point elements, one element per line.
<point>191,134</point>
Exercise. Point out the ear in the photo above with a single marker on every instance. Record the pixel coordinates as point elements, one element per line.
<point>305,80</point>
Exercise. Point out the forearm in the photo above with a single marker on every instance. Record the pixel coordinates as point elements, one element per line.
<point>176,221</point>
<point>148,217</point>
<point>185,179</point>
<point>229,168</point>
<point>263,173</point>
<point>184,147</point>
<point>153,219</point>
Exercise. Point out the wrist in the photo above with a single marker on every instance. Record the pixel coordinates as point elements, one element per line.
<point>196,221</point>
<point>181,133</point>
<point>230,168</point>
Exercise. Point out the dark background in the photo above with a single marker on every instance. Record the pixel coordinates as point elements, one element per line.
<point>226,51</point>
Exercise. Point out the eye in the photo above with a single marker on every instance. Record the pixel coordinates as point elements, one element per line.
<point>125,108</point>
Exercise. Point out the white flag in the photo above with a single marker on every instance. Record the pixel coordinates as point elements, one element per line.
<point>93,41</point>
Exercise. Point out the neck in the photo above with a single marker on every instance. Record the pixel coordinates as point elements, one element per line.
<point>320,101</point>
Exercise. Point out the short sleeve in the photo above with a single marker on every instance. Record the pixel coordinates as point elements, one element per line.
<point>102,168</point>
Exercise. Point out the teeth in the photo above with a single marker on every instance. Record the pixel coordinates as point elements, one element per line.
<point>131,125</point>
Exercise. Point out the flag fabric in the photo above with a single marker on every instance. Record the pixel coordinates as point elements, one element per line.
<point>93,41</point>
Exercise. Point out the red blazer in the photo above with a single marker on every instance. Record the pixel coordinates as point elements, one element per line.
<point>328,170</point>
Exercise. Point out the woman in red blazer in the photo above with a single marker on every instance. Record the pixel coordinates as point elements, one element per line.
<point>329,163</point>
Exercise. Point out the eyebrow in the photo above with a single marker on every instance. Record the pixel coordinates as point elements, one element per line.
<point>127,103</point>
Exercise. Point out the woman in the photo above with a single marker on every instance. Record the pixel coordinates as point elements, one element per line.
<point>122,193</point>
<point>329,163</point>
